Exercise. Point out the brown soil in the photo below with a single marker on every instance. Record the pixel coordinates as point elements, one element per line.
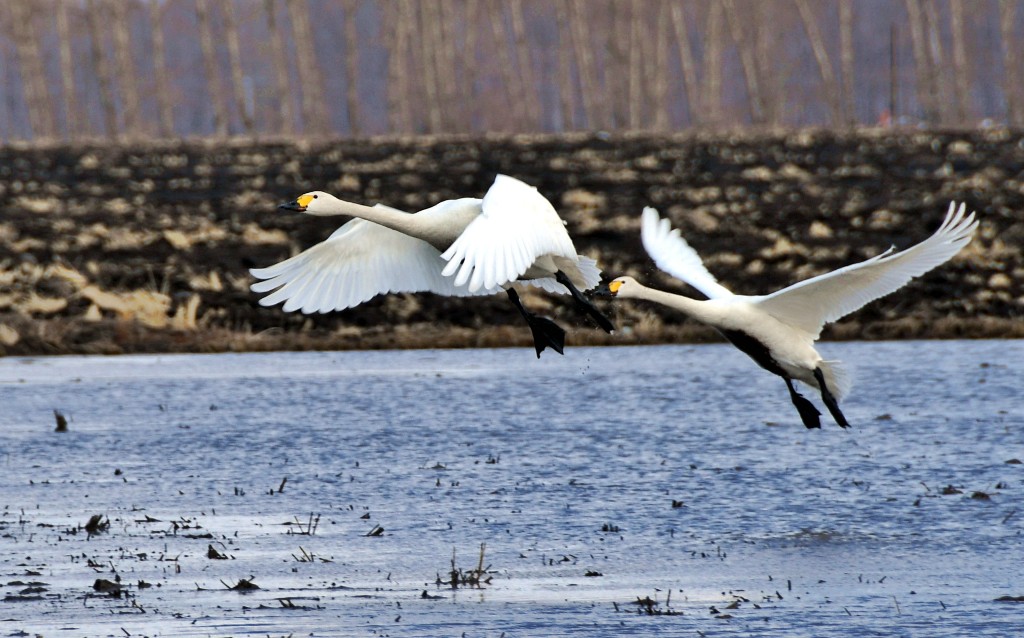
<point>145,247</point>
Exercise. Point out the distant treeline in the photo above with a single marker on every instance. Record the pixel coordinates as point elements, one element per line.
<point>138,69</point>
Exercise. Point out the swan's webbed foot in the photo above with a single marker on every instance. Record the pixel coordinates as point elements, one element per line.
<point>585,304</point>
<point>830,400</point>
<point>808,413</point>
<point>546,333</point>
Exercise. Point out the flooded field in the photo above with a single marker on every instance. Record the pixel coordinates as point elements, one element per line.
<point>326,493</point>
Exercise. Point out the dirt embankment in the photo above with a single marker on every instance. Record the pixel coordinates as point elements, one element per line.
<point>134,248</point>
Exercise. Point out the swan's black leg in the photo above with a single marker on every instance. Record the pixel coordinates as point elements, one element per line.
<point>584,303</point>
<point>546,333</point>
<point>808,413</point>
<point>830,401</point>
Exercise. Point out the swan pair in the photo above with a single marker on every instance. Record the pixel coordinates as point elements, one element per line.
<point>513,235</point>
<point>459,247</point>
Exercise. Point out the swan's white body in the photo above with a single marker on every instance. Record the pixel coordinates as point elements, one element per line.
<point>779,330</point>
<point>511,235</point>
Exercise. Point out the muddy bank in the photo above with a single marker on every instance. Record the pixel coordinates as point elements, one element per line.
<point>145,248</point>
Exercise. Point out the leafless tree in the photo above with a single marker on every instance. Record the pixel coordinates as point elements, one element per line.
<point>160,77</point>
<point>745,46</point>
<point>227,9</point>
<point>127,79</point>
<point>282,97</point>
<point>566,84</point>
<point>713,48</point>
<point>67,72</point>
<point>686,61</point>
<point>313,105</point>
<point>959,59</point>
<point>102,67</point>
<point>26,41</point>
<point>213,93</point>
<point>927,83</point>
<point>592,102</point>
<point>351,66</point>
<point>846,60</point>
<point>828,77</point>
<point>1011,64</point>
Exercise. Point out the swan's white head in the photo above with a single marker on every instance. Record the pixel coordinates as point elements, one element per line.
<point>623,287</point>
<point>313,203</point>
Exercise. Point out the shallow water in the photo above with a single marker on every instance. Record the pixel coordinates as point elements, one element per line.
<point>562,466</point>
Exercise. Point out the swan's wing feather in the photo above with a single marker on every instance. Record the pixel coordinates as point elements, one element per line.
<point>672,254</point>
<point>358,262</point>
<point>517,225</point>
<point>811,304</point>
<point>589,272</point>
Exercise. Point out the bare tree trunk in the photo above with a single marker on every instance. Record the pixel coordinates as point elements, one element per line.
<point>937,61</point>
<point>566,85</point>
<point>766,60</point>
<point>26,41</point>
<point>529,90</point>
<point>926,93</point>
<point>846,60</point>
<point>235,59</point>
<point>617,67</point>
<point>468,60</point>
<point>1011,70</point>
<point>509,79</point>
<point>828,77</point>
<point>99,61</point>
<point>745,44</point>
<point>592,103</point>
<point>351,67</point>
<point>659,73</point>
<point>403,95</point>
<point>282,95</point>
<point>635,73</point>
<point>127,79</point>
<point>713,65</point>
<point>445,59</point>
<point>428,61</point>
<point>313,110</point>
<point>67,71</point>
<point>213,92</point>
<point>160,78</point>
<point>686,62</point>
<point>959,60</point>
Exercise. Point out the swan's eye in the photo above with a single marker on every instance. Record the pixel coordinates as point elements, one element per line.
<point>315,196</point>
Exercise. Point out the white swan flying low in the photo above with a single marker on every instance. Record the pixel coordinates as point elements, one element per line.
<point>778,331</point>
<point>512,235</point>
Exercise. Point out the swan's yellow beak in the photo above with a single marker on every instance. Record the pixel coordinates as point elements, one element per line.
<point>606,290</point>
<point>614,286</point>
<point>299,205</point>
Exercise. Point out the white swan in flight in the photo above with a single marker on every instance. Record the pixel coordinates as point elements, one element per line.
<point>778,331</point>
<point>511,235</point>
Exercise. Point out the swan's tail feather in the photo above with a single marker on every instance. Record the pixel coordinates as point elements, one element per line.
<point>837,378</point>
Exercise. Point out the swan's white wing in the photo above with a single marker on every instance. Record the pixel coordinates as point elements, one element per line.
<point>358,262</point>
<point>517,226</point>
<point>811,304</point>
<point>672,254</point>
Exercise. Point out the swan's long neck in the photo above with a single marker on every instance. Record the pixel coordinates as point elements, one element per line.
<point>405,223</point>
<point>692,307</point>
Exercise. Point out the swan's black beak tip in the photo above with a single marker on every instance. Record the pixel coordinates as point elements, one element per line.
<point>601,290</point>
<point>293,206</point>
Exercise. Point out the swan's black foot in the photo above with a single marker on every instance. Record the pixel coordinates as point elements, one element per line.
<point>808,413</point>
<point>584,303</point>
<point>546,333</point>
<point>830,400</point>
